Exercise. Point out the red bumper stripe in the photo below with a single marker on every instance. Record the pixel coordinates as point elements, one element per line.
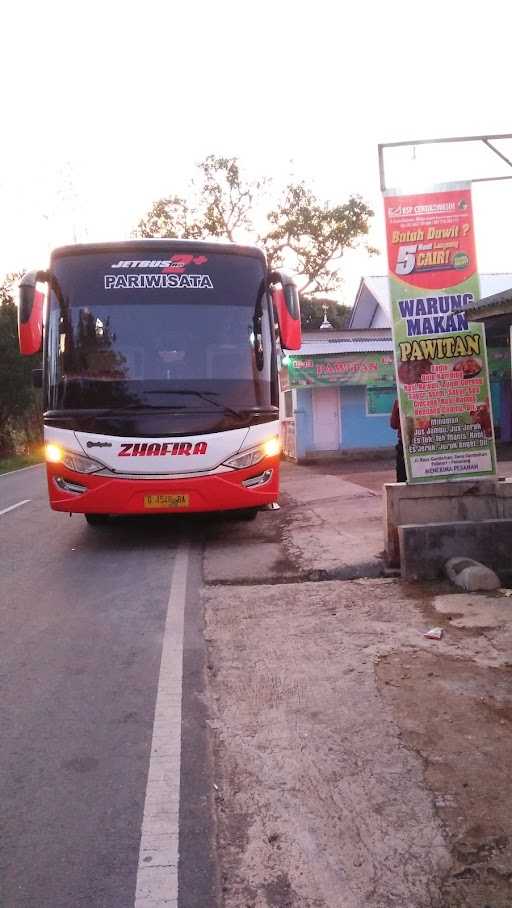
<point>217,492</point>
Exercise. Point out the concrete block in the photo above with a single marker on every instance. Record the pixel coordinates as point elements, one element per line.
<point>442,502</point>
<point>471,575</point>
<point>425,548</point>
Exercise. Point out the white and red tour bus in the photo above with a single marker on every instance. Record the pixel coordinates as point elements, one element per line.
<point>160,375</point>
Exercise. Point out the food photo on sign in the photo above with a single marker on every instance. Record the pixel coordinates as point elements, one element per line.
<point>435,391</point>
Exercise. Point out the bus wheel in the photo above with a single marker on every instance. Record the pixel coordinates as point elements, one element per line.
<point>246,514</point>
<point>96,520</point>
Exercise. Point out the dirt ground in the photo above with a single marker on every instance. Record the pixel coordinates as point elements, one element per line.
<point>359,764</point>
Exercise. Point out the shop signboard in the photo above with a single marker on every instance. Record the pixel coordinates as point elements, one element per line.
<point>369,369</point>
<point>440,357</point>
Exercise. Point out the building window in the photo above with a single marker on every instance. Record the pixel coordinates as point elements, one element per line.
<point>379,401</point>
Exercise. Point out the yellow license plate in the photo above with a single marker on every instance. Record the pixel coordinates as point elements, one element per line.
<point>167,501</point>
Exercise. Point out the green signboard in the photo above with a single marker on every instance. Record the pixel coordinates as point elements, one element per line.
<point>369,369</point>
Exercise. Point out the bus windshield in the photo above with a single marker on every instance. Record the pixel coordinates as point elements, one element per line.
<point>160,333</point>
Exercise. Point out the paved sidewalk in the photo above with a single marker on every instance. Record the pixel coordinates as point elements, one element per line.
<point>327,526</point>
<point>332,524</point>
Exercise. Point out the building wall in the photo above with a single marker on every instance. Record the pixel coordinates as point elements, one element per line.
<point>304,422</point>
<point>357,429</point>
<point>360,430</point>
<point>506,411</point>
<point>496,402</point>
<point>380,319</point>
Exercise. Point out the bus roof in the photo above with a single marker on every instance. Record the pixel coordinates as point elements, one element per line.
<point>153,244</point>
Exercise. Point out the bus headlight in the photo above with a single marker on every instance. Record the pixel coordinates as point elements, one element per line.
<point>80,464</point>
<point>272,447</point>
<point>75,462</point>
<point>269,448</point>
<point>53,453</point>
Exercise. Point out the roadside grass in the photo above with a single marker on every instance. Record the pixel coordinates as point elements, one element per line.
<point>18,461</point>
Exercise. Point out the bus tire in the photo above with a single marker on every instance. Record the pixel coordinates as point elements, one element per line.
<point>96,520</point>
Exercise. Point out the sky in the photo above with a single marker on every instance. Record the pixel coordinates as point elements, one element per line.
<point>108,106</point>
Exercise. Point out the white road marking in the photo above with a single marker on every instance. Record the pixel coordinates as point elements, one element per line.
<point>157,873</point>
<point>14,506</point>
<point>21,470</point>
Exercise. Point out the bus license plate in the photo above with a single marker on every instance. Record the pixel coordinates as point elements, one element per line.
<point>178,500</point>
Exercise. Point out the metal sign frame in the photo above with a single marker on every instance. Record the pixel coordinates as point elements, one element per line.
<point>486,140</point>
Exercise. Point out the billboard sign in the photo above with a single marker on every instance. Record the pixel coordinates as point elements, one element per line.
<point>440,357</point>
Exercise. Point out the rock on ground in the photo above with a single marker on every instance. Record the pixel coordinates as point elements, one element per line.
<point>471,575</point>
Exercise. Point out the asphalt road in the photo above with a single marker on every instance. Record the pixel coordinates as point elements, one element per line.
<point>83,620</point>
<point>104,763</point>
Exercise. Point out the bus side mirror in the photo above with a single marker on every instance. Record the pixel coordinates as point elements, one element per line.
<point>286,302</point>
<point>30,313</point>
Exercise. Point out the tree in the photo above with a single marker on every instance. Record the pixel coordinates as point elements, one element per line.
<point>18,400</point>
<point>312,313</point>
<point>298,228</point>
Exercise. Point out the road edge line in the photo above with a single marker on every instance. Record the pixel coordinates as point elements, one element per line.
<point>157,872</point>
<point>14,506</point>
<point>22,469</point>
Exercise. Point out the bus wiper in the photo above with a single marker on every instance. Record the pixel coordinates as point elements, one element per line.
<point>204,396</point>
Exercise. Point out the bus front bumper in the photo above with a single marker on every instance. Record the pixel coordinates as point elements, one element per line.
<point>92,494</point>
